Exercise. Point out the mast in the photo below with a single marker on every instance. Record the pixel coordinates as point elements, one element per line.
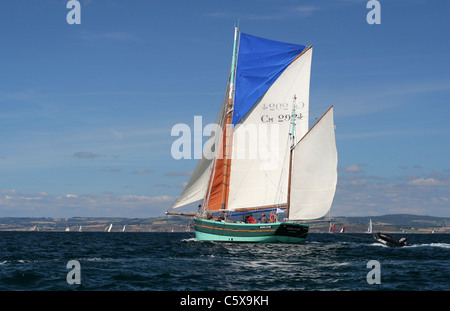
<point>291,134</point>
<point>227,127</point>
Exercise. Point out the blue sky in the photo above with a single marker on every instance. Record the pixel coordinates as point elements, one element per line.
<point>86,110</point>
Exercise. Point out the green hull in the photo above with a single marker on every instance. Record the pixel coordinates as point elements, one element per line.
<point>278,232</point>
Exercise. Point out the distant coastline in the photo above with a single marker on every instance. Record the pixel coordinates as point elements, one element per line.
<point>395,223</point>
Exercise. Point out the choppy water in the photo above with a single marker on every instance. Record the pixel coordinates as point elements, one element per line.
<point>177,262</point>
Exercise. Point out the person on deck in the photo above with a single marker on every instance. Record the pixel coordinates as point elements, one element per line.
<point>251,220</point>
<point>263,219</point>
<point>222,215</point>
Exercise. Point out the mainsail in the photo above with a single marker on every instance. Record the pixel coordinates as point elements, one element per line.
<point>251,167</point>
<point>260,164</point>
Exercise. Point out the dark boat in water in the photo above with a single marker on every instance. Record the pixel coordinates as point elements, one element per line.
<point>389,240</point>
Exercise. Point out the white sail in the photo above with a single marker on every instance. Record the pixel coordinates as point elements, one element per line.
<point>369,229</point>
<point>314,171</point>
<point>197,185</point>
<point>260,162</point>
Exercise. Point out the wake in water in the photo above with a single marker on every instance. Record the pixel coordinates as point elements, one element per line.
<point>440,245</point>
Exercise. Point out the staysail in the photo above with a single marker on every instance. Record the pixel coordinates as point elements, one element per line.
<point>314,171</point>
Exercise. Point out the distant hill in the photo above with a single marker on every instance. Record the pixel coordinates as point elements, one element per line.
<point>391,223</point>
<point>99,224</point>
<point>386,223</point>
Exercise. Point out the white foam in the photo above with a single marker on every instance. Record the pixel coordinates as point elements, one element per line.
<point>442,245</point>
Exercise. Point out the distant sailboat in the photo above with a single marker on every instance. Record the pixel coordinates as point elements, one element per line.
<point>123,229</point>
<point>67,229</point>
<point>80,229</point>
<point>332,228</point>
<point>342,230</point>
<point>108,228</point>
<point>369,229</point>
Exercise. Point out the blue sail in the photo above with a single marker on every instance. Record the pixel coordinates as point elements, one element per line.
<point>260,63</point>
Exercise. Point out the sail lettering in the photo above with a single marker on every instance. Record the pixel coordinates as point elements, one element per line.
<point>279,112</point>
<point>265,118</point>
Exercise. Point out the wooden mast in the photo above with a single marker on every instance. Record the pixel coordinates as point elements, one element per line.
<point>291,134</point>
<point>228,133</point>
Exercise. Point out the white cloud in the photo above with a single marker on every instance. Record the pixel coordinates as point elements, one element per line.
<point>10,192</point>
<point>359,182</point>
<point>277,13</point>
<point>85,155</point>
<point>88,205</point>
<point>360,195</point>
<point>143,171</point>
<point>426,182</point>
<point>351,168</point>
<point>178,174</point>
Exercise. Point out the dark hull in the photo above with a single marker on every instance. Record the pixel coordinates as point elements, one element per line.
<point>389,240</point>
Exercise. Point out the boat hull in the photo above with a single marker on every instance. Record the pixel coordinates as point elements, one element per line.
<point>278,232</point>
<point>389,240</point>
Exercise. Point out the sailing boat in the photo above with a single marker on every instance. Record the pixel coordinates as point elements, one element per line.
<point>283,166</point>
<point>369,229</point>
<point>332,228</point>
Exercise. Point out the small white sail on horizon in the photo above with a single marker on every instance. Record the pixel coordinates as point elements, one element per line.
<point>369,229</point>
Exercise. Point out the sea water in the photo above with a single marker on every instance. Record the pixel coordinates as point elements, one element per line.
<point>127,261</point>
